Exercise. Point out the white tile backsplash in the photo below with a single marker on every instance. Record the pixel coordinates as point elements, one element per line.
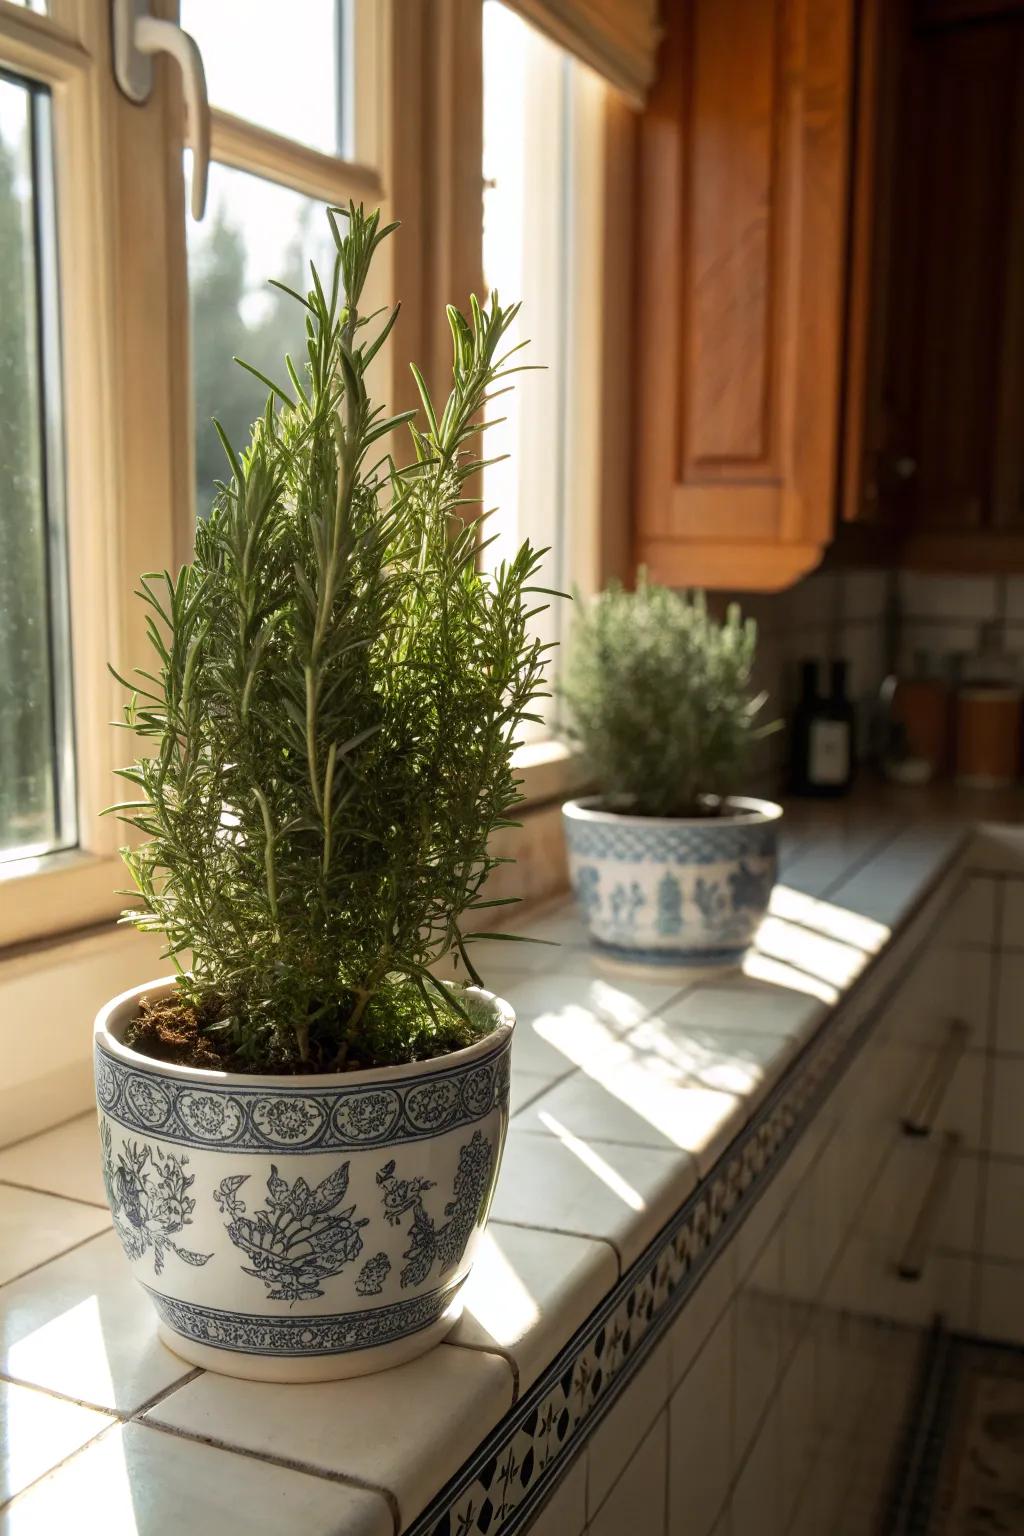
<point>629,1422</point>
<point>1001,1302</point>
<point>700,1437</point>
<point>1012,935</point>
<point>926,596</point>
<point>637,1501</point>
<point>565,1513</point>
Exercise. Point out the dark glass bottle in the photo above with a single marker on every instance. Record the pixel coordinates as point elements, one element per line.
<point>822,735</point>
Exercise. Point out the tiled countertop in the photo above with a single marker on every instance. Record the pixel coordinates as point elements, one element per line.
<point>625,1092</point>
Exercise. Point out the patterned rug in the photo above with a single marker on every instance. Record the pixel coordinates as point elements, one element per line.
<point>963,1474</point>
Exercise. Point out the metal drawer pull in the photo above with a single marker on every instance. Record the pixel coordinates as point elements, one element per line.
<point>912,1260</point>
<point>925,1109</point>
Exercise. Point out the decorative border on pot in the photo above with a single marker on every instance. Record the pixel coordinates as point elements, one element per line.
<point>680,844</point>
<point>252,1333</point>
<point>501,1487</point>
<point>262,1119</point>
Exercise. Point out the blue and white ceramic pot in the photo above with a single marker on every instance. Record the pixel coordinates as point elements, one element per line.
<point>681,891</point>
<point>301,1228</point>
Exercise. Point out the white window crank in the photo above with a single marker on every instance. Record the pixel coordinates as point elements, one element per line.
<point>137,36</point>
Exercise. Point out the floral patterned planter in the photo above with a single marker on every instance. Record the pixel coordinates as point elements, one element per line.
<point>690,891</point>
<point>301,1228</point>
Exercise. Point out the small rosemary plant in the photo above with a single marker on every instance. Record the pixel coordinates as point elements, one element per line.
<point>659,698</point>
<point>332,709</point>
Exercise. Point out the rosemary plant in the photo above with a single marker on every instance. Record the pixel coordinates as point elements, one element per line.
<point>659,698</point>
<point>333,707</point>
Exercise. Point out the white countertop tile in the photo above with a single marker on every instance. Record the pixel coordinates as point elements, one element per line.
<point>748,1006</point>
<point>136,1481</point>
<point>64,1161</point>
<point>563,1183</point>
<point>625,1090</point>
<point>35,1227</point>
<point>617,1001</point>
<point>644,1099</point>
<point>525,1086</point>
<point>37,1431</point>
<point>81,1326</point>
<point>530,1290</point>
<point>406,1430</point>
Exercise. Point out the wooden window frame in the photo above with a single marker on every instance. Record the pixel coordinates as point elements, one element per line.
<point>127,398</point>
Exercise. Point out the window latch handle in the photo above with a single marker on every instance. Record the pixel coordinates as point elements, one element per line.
<point>137,37</point>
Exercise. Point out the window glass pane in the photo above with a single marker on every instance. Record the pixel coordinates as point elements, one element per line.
<point>36,749</point>
<point>254,230</point>
<point>527,225</point>
<point>282,66</point>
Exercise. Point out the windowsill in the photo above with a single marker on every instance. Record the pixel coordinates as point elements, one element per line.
<point>549,770</point>
<point>55,895</point>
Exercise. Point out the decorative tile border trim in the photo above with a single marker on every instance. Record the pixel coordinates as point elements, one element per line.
<point>261,1119</point>
<point>500,1488</point>
<point>254,1334</point>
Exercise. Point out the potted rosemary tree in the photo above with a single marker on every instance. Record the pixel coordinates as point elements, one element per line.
<point>302,1128</point>
<point>668,865</point>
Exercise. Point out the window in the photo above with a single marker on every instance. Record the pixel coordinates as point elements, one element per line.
<point>109,377</point>
<point>37,799</point>
<point>98,369</point>
<point>266,77</point>
<point>543,224</point>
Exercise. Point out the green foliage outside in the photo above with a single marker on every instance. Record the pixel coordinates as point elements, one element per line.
<point>659,698</point>
<point>26,717</point>
<point>332,707</point>
<point>217,289</point>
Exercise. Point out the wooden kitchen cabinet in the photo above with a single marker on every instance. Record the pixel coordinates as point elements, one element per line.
<point>742,220</point>
<point>830,290</point>
<point>934,430</point>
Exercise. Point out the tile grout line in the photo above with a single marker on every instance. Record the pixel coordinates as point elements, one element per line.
<point>101,1434</point>
<point>20,1141</point>
<point>33,1189</point>
<point>491,1349</point>
<point>72,1248</point>
<point>166,1392</point>
<point>64,1397</point>
<point>286,1463</point>
<point>593,1237</point>
<point>626,1465</point>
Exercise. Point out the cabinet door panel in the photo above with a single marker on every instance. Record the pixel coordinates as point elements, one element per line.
<point>741,230</point>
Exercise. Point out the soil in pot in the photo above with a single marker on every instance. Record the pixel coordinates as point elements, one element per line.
<point>172,1030</point>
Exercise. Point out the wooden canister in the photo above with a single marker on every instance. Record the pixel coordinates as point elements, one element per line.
<point>988,728</point>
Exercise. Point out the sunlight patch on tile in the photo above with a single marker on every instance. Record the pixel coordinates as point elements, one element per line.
<point>826,959</point>
<point>594,1161</point>
<point>77,1332</point>
<point>580,1035</point>
<point>829,920</point>
<point>496,1297</point>
<point>778,974</point>
<point>37,1431</point>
